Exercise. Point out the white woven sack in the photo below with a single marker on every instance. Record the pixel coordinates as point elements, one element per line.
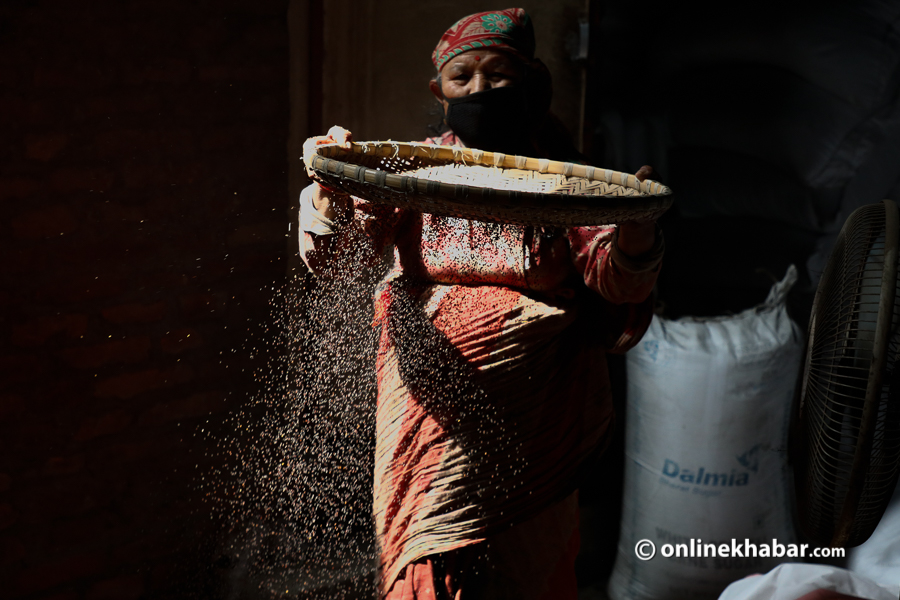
<point>706,432</point>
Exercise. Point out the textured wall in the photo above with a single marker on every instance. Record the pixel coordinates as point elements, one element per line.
<point>144,205</point>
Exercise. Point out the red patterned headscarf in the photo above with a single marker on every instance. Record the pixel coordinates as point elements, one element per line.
<point>509,29</point>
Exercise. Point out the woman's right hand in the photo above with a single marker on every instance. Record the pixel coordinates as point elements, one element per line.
<point>328,201</point>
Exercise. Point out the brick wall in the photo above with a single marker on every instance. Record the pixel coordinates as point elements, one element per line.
<point>144,202</point>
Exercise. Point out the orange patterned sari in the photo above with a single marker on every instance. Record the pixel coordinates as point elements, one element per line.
<point>492,390</point>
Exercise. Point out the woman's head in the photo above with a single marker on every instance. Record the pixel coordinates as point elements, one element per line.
<point>492,90</point>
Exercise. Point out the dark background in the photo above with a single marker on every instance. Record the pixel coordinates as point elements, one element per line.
<point>145,208</point>
<point>147,176</point>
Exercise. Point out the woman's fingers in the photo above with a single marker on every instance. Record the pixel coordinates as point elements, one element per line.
<point>336,135</point>
<point>644,173</point>
<point>341,136</point>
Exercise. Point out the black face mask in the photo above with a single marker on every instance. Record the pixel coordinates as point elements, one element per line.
<point>494,120</point>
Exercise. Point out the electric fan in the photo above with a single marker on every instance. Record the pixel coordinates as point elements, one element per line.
<point>846,446</point>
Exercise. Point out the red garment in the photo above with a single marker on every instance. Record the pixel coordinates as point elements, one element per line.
<point>492,382</point>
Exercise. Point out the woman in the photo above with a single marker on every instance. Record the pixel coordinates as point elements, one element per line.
<point>492,381</point>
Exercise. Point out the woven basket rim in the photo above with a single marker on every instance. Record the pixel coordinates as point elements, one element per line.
<point>386,183</point>
<point>475,157</point>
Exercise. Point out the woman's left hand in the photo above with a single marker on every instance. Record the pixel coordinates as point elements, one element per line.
<point>638,237</point>
<point>644,172</point>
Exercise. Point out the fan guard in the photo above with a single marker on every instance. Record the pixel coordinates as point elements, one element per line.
<point>847,452</point>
